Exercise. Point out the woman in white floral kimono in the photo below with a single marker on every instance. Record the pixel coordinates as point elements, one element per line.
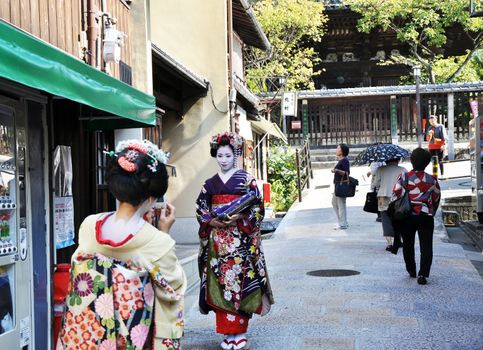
<point>126,287</point>
<point>234,279</point>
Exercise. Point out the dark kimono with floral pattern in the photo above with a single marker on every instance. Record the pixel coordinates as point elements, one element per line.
<point>232,265</point>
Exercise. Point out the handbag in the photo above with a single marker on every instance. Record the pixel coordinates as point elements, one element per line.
<point>370,205</point>
<point>400,209</point>
<point>346,187</point>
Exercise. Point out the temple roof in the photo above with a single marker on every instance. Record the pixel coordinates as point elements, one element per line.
<point>385,90</point>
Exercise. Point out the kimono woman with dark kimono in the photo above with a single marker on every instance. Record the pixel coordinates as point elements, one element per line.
<point>234,279</point>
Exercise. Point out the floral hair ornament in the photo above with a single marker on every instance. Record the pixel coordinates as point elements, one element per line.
<point>132,149</point>
<point>235,140</point>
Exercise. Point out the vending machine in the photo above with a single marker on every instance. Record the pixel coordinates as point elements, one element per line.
<point>15,283</point>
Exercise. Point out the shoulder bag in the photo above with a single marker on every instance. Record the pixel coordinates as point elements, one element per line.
<point>400,209</point>
<point>370,205</point>
<point>346,187</point>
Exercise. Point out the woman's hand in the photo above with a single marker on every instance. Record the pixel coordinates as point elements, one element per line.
<point>232,219</point>
<point>167,218</point>
<point>217,223</point>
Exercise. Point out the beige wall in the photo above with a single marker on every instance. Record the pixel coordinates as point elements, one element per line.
<point>142,63</point>
<point>194,33</point>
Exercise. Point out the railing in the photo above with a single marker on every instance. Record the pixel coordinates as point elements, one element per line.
<point>304,167</point>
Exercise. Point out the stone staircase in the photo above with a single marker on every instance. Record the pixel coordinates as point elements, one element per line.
<point>323,158</point>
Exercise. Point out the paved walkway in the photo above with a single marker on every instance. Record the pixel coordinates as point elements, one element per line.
<point>381,308</point>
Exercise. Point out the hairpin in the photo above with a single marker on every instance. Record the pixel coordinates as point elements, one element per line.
<point>110,153</point>
<point>153,166</point>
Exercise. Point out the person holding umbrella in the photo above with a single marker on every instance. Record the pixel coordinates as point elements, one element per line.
<point>384,180</point>
<point>373,170</point>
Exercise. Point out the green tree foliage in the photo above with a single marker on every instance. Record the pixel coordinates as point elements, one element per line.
<point>286,23</point>
<point>282,175</point>
<point>423,25</point>
<point>444,69</point>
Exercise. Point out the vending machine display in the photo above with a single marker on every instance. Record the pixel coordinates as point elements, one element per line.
<point>6,305</point>
<point>8,244</point>
<point>9,218</point>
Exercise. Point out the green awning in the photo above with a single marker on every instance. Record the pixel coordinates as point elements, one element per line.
<point>32,62</point>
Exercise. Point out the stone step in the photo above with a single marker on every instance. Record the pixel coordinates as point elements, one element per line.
<point>329,158</point>
<point>331,152</point>
<point>323,158</point>
<point>322,165</point>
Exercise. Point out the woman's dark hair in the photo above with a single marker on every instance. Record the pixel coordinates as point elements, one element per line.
<point>134,188</point>
<point>420,159</point>
<point>224,141</point>
<point>344,148</point>
<point>394,160</point>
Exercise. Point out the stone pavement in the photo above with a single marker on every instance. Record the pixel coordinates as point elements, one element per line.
<point>381,308</point>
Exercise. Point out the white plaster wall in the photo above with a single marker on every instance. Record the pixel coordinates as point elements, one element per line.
<point>238,57</point>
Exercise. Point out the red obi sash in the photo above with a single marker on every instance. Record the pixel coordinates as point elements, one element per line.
<point>218,199</point>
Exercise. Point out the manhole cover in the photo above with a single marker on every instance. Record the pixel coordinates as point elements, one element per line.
<point>321,186</point>
<point>333,273</point>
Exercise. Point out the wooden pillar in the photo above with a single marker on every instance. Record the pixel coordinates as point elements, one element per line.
<point>451,126</point>
<point>394,135</point>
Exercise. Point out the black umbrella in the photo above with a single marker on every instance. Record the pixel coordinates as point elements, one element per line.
<point>381,152</point>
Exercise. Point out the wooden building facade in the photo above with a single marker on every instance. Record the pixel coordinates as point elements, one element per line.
<point>350,59</point>
<point>57,90</point>
<point>64,24</point>
<point>362,116</point>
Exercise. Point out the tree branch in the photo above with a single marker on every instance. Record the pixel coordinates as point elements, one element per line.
<point>428,65</point>
<point>477,44</point>
<point>463,65</point>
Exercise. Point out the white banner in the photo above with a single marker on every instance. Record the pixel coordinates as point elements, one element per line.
<point>289,104</point>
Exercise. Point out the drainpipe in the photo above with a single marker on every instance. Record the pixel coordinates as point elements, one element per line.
<point>231,88</point>
<point>92,32</point>
<point>101,33</point>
